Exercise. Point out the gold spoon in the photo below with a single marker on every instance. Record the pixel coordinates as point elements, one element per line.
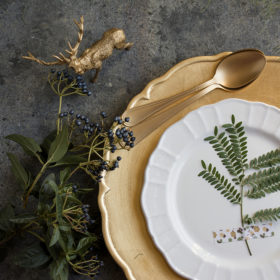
<point>251,68</point>
<point>233,72</point>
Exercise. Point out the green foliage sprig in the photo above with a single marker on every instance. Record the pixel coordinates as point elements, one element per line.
<point>214,178</point>
<point>231,148</point>
<point>59,220</point>
<point>263,215</point>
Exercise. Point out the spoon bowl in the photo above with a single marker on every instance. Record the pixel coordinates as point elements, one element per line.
<point>239,69</point>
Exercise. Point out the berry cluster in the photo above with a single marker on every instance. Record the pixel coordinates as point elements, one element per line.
<point>86,219</point>
<point>121,135</point>
<point>98,139</point>
<point>65,84</point>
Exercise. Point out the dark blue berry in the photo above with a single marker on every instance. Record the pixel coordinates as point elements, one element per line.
<point>83,117</point>
<point>103,115</point>
<point>85,91</point>
<point>71,112</point>
<point>117,119</point>
<point>89,93</point>
<point>130,133</point>
<point>52,71</point>
<point>127,119</point>
<point>120,121</point>
<point>78,122</point>
<point>119,158</point>
<point>74,188</point>
<point>78,116</point>
<point>61,115</point>
<point>86,120</point>
<point>65,114</point>
<point>132,139</point>
<point>131,145</point>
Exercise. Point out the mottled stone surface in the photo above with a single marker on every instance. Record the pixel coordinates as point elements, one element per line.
<point>164,33</point>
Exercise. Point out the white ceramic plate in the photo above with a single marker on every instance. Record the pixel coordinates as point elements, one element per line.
<point>182,209</point>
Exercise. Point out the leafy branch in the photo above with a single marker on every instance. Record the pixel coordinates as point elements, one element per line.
<point>271,214</point>
<point>263,182</point>
<point>238,142</point>
<point>269,159</point>
<point>221,145</point>
<point>231,147</point>
<point>214,178</point>
<point>64,230</point>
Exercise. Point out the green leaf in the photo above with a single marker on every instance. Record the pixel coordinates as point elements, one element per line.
<point>46,193</point>
<point>62,240</point>
<point>49,186</point>
<point>22,219</point>
<point>47,141</point>
<point>216,131</point>
<point>63,175</point>
<point>61,263</point>
<point>59,146</point>
<point>18,170</point>
<point>203,164</point>
<point>29,145</point>
<point>233,119</point>
<point>59,206</point>
<point>209,138</point>
<point>32,256</point>
<point>84,244</point>
<point>6,214</point>
<point>55,236</point>
<point>59,269</point>
<point>65,227</point>
<point>70,241</point>
<point>214,178</point>
<point>71,160</point>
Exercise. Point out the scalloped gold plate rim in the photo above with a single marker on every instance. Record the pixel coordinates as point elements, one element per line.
<point>123,222</point>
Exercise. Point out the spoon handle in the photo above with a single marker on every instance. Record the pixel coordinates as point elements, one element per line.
<point>143,129</point>
<point>140,113</point>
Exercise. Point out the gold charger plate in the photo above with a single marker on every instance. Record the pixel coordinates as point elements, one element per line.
<point>124,226</point>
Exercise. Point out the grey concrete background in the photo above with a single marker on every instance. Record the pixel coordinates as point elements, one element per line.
<point>164,33</point>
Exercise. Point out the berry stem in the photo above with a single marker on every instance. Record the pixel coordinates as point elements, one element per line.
<point>241,213</point>
<point>35,182</point>
<point>59,111</point>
